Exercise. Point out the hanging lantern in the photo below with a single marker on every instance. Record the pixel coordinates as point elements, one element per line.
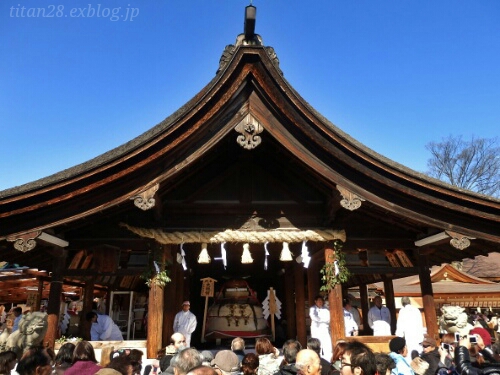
<point>246,257</point>
<point>204,258</point>
<point>286,255</point>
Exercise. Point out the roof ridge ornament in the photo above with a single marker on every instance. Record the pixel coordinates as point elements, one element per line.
<point>248,38</point>
<point>249,128</point>
<point>350,200</point>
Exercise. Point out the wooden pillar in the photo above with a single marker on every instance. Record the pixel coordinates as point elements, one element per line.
<point>170,309</point>
<point>38,301</point>
<point>389,301</point>
<point>427,296</point>
<point>365,306</point>
<point>155,312</point>
<point>291,329</point>
<point>313,278</point>
<point>337,326</point>
<point>54,305</point>
<point>88,301</point>
<point>300,304</point>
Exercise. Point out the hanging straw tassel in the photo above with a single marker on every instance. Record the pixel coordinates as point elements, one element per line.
<point>246,257</point>
<point>204,258</point>
<point>286,255</point>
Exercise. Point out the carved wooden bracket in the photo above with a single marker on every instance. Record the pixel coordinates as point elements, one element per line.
<point>459,241</point>
<point>145,199</point>
<point>249,127</point>
<point>351,201</point>
<point>24,242</point>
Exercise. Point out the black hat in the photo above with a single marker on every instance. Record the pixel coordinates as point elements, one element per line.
<point>397,344</point>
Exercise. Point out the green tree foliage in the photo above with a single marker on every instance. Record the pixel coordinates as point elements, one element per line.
<point>472,165</point>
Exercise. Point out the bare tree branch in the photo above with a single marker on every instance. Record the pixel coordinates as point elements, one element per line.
<point>472,165</point>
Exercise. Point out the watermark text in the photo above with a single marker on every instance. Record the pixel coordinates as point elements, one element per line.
<point>90,11</point>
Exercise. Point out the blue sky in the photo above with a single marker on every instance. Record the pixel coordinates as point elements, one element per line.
<point>395,75</point>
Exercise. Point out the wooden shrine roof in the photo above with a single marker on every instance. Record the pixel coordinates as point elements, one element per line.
<point>201,177</point>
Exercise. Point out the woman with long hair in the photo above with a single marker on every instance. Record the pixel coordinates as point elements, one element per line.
<point>64,358</point>
<point>269,363</point>
<point>8,361</point>
<point>84,362</point>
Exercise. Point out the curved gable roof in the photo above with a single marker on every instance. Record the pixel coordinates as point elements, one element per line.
<point>249,82</point>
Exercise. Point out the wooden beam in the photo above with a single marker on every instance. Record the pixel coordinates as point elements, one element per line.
<point>300,304</point>
<point>365,307</point>
<point>382,270</point>
<point>389,301</point>
<point>313,280</point>
<point>428,297</point>
<point>337,326</point>
<point>54,305</point>
<point>291,328</point>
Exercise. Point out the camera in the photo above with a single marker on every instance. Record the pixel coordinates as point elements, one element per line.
<point>473,339</point>
<point>446,346</point>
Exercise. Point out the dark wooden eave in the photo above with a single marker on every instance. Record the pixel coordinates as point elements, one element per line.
<point>88,201</point>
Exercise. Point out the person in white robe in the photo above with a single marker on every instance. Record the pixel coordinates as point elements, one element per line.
<point>185,322</point>
<point>320,326</point>
<point>410,326</point>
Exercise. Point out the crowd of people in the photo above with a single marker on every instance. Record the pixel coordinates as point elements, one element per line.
<point>410,352</point>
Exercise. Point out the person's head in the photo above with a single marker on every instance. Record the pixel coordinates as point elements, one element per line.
<point>202,370</point>
<point>483,333</point>
<point>398,345</point>
<point>106,353</point>
<point>8,361</point>
<point>226,362</point>
<point>358,359</point>
<point>122,364</point>
<point>314,344</point>
<point>405,301</point>
<point>429,344</point>
<point>290,350</point>
<point>207,357</point>
<point>178,341</point>
<point>338,350</point>
<point>186,306</point>
<point>419,366</point>
<point>135,356</point>
<point>384,363</point>
<point>238,344</point>
<point>161,353</point>
<point>17,311</point>
<point>91,317</point>
<point>346,303</point>
<point>378,301</point>
<point>35,361</point>
<point>65,354</point>
<point>308,362</point>
<point>186,360</point>
<point>263,346</point>
<point>250,364</point>
<point>319,301</point>
<point>84,351</point>
<point>165,362</point>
